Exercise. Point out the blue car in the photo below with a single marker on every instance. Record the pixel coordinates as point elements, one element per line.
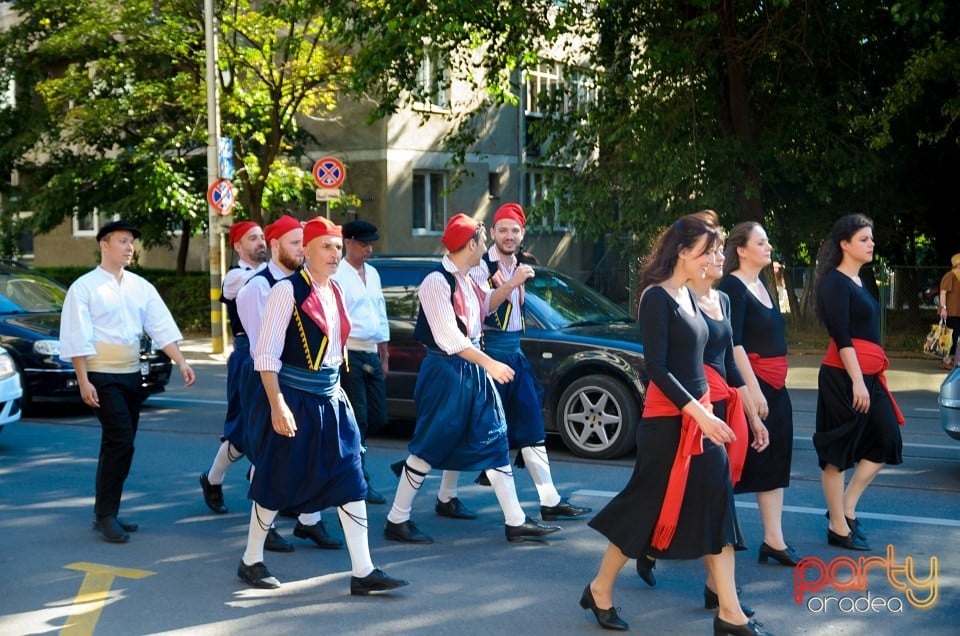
<point>949,401</point>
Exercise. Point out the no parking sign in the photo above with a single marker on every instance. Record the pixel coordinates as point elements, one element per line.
<point>221,196</point>
<point>329,173</point>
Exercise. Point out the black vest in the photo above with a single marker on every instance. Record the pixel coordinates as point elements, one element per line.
<point>233,317</point>
<point>421,331</point>
<point>500,318</point>
<point>305,343</point>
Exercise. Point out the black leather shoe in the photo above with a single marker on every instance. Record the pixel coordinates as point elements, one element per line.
<point>276,543</point>
<point>645,568</point>
<point>128,526</point>
<point>454,509</point>
<point>373,497</point>
<point>784,557</point>
<point>212,495</point>
<point>111,529</point>
<point>850,542</point>
<point>562,510</point>
<point>750,628</point>
<point>376,581</point>
<point>607,618</point>
<point>854,524</point>
<point>712,601</point>
<point>406,532</point>
<point>318,534</point>
<point>529,530</point>
<point>257,575</point>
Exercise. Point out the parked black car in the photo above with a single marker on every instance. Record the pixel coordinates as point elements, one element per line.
<point>30,305</point>
<point>584,349</point>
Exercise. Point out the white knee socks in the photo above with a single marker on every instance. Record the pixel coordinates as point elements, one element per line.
<point>411,479</point>
<point>226,455</point>
<point>448,485</point>
<point>506,491</point>
<point>353,518</point>
<point>260,521</point>
<point>535,458</point>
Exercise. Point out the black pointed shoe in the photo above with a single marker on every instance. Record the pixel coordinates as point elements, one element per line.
<point>850,542</point>
<point>318,534</point>
<point>712,601</point>
<point>128,526</point>
<point>405,532</point>
<point>374,497</point>
<point>854,524</point>
<point>607,618</point>
<point>529,530</point>
<point>276,543</point>
<point>454,509</point>
<point>645,568</point>
<point>212,495</point>
<point>257,575</point>
<point>784,557</point>
<point>750,628</point>
<point>111,529</point>
<point>563,510</point>
<point>376,581</point>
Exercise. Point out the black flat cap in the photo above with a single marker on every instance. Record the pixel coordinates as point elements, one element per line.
<point>360,231</point>
<point>117,226</point>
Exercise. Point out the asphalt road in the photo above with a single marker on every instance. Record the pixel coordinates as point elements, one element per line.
<point>178,573</point>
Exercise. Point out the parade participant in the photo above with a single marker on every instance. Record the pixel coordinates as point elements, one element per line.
<point>306,438</point>
<point>285,236</point>
<point>857,417</point>
<point>678,503</point>
<point>247,240</point>
<point>363,379</point>
<point>460,422</point>
<point>104,316</point>
<point>948,307</point>
<point>503,270</point>
<point>760,349</point>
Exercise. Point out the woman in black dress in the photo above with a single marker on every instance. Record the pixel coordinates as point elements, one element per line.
<point>857,418</point>
<point>678,503</point>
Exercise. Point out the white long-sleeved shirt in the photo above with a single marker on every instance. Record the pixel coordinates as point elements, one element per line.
<point>364,303</point>
<point>434,296</point>
<point>481,275</point>
<point>99,308</point>
<point>252,298</point>
<point>237,277</point>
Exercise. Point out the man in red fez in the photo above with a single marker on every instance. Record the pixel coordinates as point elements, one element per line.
<point>301,427</point>
<point>460,424</point>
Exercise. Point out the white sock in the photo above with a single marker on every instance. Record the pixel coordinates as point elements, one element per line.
<point>506,491</point>
<point>353,518</point>
<point>226,455</point>
<point>309,518</point>
<point>536,461</point>
<point>448,485</point>
<point>260,521</point>
<point>410,483</point>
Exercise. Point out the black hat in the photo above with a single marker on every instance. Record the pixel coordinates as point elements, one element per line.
<point>116,226</point>
<point>360,231</point>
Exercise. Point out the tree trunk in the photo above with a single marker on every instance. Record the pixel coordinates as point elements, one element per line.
<point>183,248</point>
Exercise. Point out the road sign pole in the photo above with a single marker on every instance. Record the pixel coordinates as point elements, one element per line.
<point>217,319</point>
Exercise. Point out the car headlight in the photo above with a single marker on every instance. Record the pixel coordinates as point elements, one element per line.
<point>47,347</point>
<point>7,367</point>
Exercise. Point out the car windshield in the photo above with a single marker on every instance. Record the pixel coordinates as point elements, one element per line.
<point>565,302</point>
<point>26,292</point>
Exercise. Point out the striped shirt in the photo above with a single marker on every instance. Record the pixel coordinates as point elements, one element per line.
<point>236,277</point>
<point>434,296</point>
<point>481,275</point>
<point>252,298</point>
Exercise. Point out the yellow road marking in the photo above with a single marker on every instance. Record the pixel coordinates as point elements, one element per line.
<point>93,594</point>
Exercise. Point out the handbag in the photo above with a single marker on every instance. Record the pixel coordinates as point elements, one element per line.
<point>939,340</point>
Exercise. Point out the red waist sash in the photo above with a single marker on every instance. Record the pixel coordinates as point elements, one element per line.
<point>735,417</point>
<point>657,404</point>
<point>872,361</point>
<point>773,371</point>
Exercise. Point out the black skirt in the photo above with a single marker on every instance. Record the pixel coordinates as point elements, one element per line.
<point>770,469</point>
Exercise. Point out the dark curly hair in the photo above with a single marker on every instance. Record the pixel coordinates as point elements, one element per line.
<point>683,234</point>
<point>830,253</point>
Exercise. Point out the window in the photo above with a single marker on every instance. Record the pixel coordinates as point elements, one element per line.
<point>429,202</point>
<point>433,84</point>
<point>542,83</point>
<point>538,192</point>
<point>87,223</point>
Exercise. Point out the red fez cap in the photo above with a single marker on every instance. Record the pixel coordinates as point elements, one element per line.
<point>280,227</point>
<point>320,226</point>
<point>239,229</point>
<point>510,211</point>
<point>459,230</point>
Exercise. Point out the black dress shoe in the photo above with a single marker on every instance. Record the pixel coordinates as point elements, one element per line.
<point>212,495</point>
<point>784,557</point>
<point>562,510</point>
<point>529,530</point>
<point>111,529</point>
<point>276,543</point>
<point>373,497</point>
<point>607,618</point>
<point>854,524</point>
<point>712,601</point>
<point>376,581</point>
<point>454,509</point>
<point>406,532</point>
<point>750,628</point>
<point>257,575</point>
<point>318,534</point>
<point>645,568</point>
<point>128,526</point>
<point>850,542</point>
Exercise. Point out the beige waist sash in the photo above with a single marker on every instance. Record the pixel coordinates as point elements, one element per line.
<point>114,358</point>
<point>361,345</point>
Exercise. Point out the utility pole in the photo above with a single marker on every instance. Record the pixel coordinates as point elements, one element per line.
<point>214,239</point>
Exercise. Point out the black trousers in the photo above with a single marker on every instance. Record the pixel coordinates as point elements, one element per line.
<point>366,389</point>
<point>120,399</point>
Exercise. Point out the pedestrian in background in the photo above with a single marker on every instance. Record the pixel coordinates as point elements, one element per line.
<point>949,309</point>
<point>104,317</point>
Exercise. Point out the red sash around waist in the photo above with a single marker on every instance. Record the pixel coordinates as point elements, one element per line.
<point>657,404</point>
<point>735,417</point>
<point>773,371</point>
<point>872,361</point>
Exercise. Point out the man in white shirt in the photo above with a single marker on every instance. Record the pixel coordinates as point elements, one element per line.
<point>363,378</point>
<point>103,319</point>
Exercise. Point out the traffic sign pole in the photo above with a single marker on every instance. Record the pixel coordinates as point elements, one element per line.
<point>214,236</point>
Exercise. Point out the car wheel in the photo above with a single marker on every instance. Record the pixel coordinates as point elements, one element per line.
<point>597,417</point>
